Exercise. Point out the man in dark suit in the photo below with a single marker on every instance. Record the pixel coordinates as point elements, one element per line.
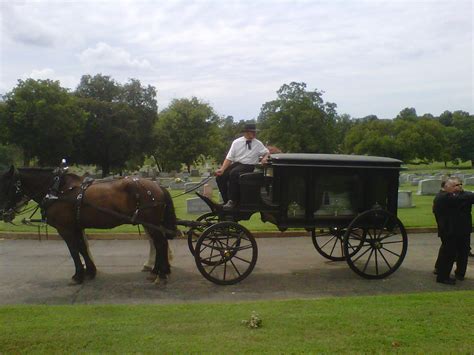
<point>452,208</point>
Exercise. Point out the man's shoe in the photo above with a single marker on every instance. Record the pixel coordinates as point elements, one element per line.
<point>459,277</point>
<point>448,281</point>
<point>230,205</point>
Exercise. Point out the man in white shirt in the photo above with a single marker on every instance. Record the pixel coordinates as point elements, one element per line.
<point>242,157</point>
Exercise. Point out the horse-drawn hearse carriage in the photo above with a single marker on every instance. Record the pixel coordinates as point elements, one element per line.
<point>348,203</point>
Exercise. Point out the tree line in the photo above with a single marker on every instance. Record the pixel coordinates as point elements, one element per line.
<point>115,126</point>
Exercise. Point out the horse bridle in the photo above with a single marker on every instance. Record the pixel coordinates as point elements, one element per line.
<point>15,199</point>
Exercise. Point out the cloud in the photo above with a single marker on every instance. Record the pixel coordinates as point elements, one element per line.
<point>106,56</point>
<point>26,28</point>
<point>43,74</point>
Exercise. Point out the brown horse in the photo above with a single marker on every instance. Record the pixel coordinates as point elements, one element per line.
<point>96,204</point>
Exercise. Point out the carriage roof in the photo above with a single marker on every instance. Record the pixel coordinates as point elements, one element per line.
<point>334,161</point>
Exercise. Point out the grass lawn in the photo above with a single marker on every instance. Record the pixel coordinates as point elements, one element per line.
<point>415,323</point>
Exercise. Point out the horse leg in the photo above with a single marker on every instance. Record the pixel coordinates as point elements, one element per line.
<point>91,270</point>
<point>150,263</point>
<point>162,266</point>
<point>72,243</point>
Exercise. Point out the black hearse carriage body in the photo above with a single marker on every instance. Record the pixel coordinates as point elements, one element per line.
<point>348,203</point>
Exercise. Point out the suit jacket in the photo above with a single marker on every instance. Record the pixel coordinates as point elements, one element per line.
<point>453,213</point>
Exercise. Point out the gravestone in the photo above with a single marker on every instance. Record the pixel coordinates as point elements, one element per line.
<point>194,173</point>
<point>469,181</point>
<point>196,205</point>
<point>415,181</point>
<point>207,190</point>
<point>429,187</point>
<point>404,199</point>
<point>211,182</point>
<point>206,174</point>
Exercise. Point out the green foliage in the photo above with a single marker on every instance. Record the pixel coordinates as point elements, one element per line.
<point>404,139</point>
<point>120,121</point>
<point>43,119</point>
<point>299,121</point>
<point>185,132</point>
<point>464,123</point>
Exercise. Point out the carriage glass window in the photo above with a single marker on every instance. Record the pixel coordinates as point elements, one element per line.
<point>266,191</point>
<point>337,193</point>
<point>296,197</point>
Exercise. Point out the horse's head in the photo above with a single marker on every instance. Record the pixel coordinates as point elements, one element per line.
<point>12,196</point>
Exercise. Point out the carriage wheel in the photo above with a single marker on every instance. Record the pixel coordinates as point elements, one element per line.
<point>226,253</point>
<point>195,232</point>
<point>383,242</point>
<point>330,243</point>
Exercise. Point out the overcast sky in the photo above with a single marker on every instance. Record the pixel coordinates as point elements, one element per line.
<point>369,57</point>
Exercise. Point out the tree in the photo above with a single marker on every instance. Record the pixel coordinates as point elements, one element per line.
<point>407,114</point>
<point>465,137</point>
<point>446,118</point>
<point>109,134</point>
<point>185,131</point>
<point>299,121</point>
<point>43,119</point>
<point>98,87</point>
<point>120,122</point>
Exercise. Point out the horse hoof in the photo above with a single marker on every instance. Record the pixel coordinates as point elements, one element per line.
<point>77,280</point>
<point>151,277</point>
<point>90,275</point>
<point>161,281</point>
<point>146,268</point>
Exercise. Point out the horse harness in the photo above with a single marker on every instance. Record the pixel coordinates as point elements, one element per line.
<point>87,182</point>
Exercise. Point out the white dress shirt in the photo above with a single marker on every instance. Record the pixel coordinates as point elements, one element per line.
<point>239,151</point>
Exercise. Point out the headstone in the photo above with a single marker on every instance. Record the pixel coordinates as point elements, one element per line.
<point>207,190</point>
<point>211,182</point>
<point>415,181</point>
<point>206,174</point>
<point>429,187</point>
<point>404,199</point>
<point>469,181</point>
<point>196,205</point>
<point>194,173</point>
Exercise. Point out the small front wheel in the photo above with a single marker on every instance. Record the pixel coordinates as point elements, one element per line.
<point>226,253</point>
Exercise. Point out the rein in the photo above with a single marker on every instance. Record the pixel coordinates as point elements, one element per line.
<point>194,188</point>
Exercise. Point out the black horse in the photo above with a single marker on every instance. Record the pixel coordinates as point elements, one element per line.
<point>77,205</point>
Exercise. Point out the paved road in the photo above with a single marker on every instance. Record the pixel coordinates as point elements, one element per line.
<point>34,272</point>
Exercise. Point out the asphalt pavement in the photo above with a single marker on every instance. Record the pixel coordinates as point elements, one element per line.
<point>38,272</point>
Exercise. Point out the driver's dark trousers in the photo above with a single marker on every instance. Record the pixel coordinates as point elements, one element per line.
<point>228,182</point>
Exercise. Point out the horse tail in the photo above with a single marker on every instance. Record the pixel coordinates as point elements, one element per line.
<point>169,220</point>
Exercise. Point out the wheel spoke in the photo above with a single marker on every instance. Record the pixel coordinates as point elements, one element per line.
<point>388,264</point>
<point>225,269</point>
<point>361,255</point>
<point>334,246</point>
<point>397,255</point>
<point>322,246</point>
<point>235,267</point>
<point>245,261</point>
<point>376,262</point>
<point>394,242</point>
<point>367,262</point>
